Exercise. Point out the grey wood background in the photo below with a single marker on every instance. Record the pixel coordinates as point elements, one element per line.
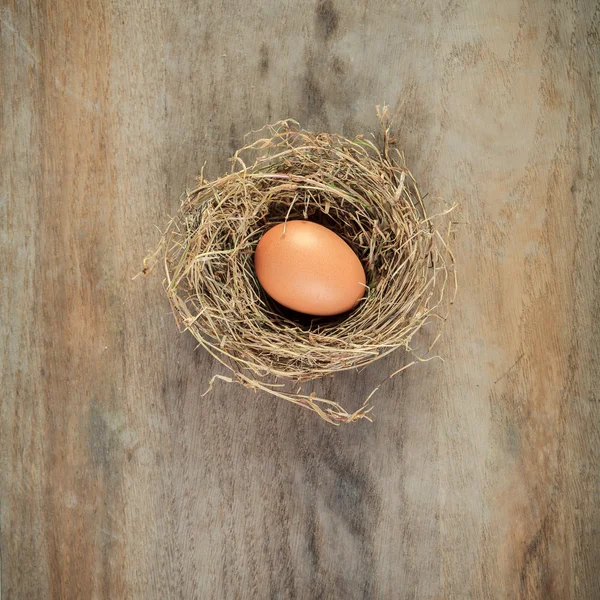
<point>480,476</point>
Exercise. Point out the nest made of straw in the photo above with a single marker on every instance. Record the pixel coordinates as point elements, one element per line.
<point>351,186</point>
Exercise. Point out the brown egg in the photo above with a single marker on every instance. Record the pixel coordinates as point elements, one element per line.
<point>309,268</point>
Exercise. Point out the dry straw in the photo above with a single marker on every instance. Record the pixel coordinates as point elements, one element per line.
<point>355,188</point>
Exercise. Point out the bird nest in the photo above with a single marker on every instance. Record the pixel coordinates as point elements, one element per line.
<point>358,189</point>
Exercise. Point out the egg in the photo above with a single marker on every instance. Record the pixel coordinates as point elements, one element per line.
<point>309,268</point>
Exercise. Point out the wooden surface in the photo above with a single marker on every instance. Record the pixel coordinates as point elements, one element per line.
<point>480,477</point>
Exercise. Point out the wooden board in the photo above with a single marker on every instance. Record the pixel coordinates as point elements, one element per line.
<point>480,476</point>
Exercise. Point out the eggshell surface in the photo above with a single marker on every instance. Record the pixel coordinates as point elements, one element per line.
<point>309,268</point>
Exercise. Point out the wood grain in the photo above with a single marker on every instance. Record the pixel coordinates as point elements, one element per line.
<point>480,477</point>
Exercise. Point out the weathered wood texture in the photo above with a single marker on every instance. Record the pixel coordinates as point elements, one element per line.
<point>480,477</point>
